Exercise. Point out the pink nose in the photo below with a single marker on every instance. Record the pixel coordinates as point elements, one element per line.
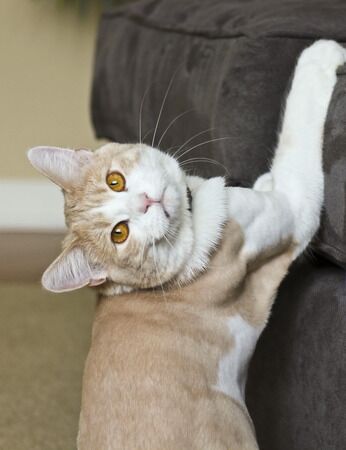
<point>147,202</point>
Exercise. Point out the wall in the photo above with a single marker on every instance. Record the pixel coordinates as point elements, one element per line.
<point>46,57</point>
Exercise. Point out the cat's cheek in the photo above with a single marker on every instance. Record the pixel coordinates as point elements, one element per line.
<point>155,223</point>
<point>172,201</point>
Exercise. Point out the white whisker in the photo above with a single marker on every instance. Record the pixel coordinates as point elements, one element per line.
<point>171,123</point>
<point>157,271</point>
<point>204,160</point>
<point>190,139</point>
<point>168,241</point>
<point>162,106</point>
<point>200,144</point>
<point>140,113</point>
<point>146,134</point>
<point>172,234</point>
<point>142,255</point>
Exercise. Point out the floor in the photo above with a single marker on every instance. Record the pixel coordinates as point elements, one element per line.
<point>25,255</point>
<point>44,339</point>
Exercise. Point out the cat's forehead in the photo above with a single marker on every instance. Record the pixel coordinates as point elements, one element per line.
<point>125,156</point>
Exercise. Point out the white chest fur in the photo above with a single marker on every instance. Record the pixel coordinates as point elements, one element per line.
<point>233,366</point>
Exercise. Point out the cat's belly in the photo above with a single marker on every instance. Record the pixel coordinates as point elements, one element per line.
<point>163,378</point>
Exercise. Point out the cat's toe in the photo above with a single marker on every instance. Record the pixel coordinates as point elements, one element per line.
<point>324,53</point>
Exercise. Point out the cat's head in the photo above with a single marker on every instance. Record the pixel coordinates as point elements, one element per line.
<point>134,218</point>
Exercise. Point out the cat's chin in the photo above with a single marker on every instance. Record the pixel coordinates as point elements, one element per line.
<point>209,214</point>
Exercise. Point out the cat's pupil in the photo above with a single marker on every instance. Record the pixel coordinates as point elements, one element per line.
<point>120,233</point>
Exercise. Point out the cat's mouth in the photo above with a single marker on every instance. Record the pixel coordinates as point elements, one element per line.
<point>166,204</point>
<point>189,198</point>
<point>165,212</point>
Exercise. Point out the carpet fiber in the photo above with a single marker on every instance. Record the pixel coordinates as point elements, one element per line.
<point>44,339</point>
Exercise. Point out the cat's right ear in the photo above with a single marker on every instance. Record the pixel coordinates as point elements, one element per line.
<point>61,165</point>
<point>72,270</point>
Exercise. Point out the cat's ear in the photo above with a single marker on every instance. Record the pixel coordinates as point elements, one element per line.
<point>61,165</point>
<point>72,270</point>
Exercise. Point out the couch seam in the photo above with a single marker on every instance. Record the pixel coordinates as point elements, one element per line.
<point>145,23</point>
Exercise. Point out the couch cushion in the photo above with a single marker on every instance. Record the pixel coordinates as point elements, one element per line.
<point>225,66</point>
<point>296,390</point>
<point>331,240</point>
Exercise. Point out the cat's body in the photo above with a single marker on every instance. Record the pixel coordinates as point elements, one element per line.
<point>168,372</point>
<point>167,367</point>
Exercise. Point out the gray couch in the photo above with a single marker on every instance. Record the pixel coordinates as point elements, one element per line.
<point>228,64</point>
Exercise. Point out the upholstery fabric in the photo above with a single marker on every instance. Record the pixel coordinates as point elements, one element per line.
<point>331,240</point>
<point>223,67</point>
<point>309,19</point>
<point>296,391</point>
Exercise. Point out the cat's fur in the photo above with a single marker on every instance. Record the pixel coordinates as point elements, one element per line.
<point>167,367</point>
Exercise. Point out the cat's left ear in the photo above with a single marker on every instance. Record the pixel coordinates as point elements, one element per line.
<point>72,270</point>
<point>61,165</point>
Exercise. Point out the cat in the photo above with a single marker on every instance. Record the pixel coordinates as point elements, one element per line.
<point>188,270</point>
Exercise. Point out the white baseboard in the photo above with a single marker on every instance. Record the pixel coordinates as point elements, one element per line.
<point>31,205</point>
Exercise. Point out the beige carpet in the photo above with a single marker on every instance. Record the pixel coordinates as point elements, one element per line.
<point>44,339</point>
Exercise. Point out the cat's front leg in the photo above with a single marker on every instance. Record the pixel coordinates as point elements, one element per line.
<point>297,167</point>
<point>286,203</point>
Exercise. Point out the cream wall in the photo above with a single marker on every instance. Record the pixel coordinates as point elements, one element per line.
<point>46,58</point>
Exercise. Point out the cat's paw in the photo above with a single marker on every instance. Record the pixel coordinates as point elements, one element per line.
<point>264,183</point>
<point>325,54</point>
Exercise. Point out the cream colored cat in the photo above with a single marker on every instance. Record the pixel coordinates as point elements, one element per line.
<point>167,366</point>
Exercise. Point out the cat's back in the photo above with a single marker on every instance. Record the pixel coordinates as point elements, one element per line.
<point>150,379</point>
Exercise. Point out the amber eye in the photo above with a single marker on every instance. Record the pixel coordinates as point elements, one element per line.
<point>116,181</point>
<point>120,233</point>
